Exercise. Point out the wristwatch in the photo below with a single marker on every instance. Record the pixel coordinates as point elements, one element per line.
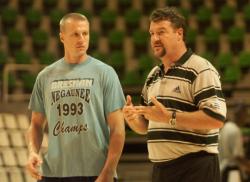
<point>172,121</point>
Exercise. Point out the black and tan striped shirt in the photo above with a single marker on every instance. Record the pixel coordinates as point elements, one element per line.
<point>191,84</point>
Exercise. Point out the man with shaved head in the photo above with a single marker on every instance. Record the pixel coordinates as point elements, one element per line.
<point>80,98</point>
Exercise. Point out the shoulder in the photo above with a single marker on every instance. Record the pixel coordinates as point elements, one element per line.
<point>154,71</point>
<point>199,64</point>
<point>100,66</point>
<point>48,69</point>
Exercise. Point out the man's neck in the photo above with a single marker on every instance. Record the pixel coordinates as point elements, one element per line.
<point>76,60</point>
<point>170,60</point>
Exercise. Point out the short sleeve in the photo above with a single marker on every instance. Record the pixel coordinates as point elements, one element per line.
<point>208,95</point>
<point>37,100</point>
<point>113,93</point>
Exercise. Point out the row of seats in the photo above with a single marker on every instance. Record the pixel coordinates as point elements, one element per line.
<point>15,174</point>
<point>15,138</point>
<point>13,148</point>
<point>132,19</point>
<point>13,157</point>
<point>14,153</point>
<point>11,122</point>
<point>123,45</point>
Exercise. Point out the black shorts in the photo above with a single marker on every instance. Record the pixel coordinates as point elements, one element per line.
<point>194,167</point>
<point>71,179</point>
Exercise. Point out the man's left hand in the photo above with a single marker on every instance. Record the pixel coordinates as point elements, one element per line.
<point>157,112</point>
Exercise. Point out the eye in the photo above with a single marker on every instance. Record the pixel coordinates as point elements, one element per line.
<point>161,32</point>
<point>85,33</point>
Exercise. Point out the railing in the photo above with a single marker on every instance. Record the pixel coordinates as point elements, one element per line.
<point>17,67</point>
<point>131,90</point>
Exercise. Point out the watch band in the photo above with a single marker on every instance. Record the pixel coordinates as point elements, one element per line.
<point>172,121</point>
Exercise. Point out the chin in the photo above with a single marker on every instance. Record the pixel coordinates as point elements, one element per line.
<point>159,54</point>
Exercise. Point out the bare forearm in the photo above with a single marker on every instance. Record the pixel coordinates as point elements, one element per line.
<point>34,138</point>
<point>197,120</point>
<point>114,152</point>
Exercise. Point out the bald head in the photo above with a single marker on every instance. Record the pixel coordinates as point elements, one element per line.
<point>71,16</point>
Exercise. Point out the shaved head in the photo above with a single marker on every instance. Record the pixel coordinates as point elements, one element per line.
<point>73,16</point>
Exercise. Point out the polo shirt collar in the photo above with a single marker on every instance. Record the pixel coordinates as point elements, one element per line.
<point>182,59</point>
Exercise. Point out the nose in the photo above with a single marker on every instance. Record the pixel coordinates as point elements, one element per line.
<point>155,37</point>
<point>81,37</point>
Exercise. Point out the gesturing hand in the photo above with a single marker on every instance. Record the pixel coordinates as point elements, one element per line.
<point>157,112</point>
<point>129,110</point>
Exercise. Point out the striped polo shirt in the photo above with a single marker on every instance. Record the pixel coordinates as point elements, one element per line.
<point>191,84</point>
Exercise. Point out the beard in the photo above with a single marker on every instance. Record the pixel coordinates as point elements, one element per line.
<point>162,53</point>
<point>159,50</point>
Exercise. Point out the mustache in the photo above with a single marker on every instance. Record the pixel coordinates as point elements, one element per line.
<point>157,43</point>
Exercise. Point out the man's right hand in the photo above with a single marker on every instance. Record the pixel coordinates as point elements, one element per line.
<point>136,121</point>
<point>34,162</point>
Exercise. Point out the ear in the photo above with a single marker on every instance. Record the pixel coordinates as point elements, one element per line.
<point>180,33</point>
<point>61,37</point>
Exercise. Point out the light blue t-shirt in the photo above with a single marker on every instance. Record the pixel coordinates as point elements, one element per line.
<point>76,99</point>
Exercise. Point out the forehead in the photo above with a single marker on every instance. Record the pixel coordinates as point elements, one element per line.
<point>75,24</point>
<point>163,24</point>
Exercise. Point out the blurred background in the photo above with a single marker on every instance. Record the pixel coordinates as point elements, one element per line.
<point>218,30</point>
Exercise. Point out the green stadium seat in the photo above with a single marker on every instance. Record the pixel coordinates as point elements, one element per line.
<point>236,38</point>
<point>191,37</point>
<point>218,5</point>
<point>223,60</point>
<point>3,4</point>
<point>28,80</point>
<point>241,4</point>
<point>3,59</point>
<point>212,39</point>
<point>146,63</point>
<point>22,57</point>
<point>141,41</point>
<point>108,20</point>
<point>98,6</point>
<point>244,60</point>
<point>94,40</point>
<point>48,5</point>
<point>195,4</point>
<point>132,78</point>
<point>203,16</point>
<point>47,57</point>
<point>11,82</point>
<point>148,6</point>
<point>132,20</point>
<point>24,5</point>
<point>117,61</point>
<point>33,19</point>
<point>227,15</point>
<point>74,5</point>
<point>40,39</point>
<point>15,40</point>
<point>232,74</point>
<point>209,56</point>
<point>8,18</point>
<point>246,15</point>
<point>60,47</point>
<point>55,17</point>
<point>185,12</point>
<point>116,38</point>
<point>100,55</point>
<point>85,12</point>
<point>123,5</point>
<point>176,3</point>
